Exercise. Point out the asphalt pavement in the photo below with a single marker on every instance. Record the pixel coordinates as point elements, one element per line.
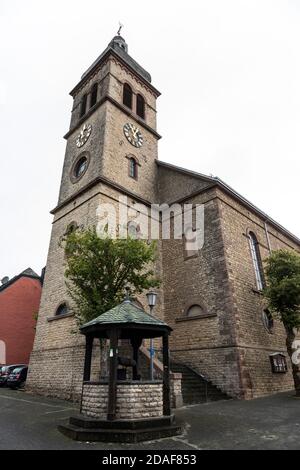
<point>30,422</point>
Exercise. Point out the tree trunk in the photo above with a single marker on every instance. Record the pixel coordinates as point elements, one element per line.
<point>290,338</point>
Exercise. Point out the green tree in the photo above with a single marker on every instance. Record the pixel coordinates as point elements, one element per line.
<point>283,295</point>
<point>99,269</point>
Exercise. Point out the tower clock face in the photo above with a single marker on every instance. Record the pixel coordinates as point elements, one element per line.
<point>84,135</point>
<point>133,135</point>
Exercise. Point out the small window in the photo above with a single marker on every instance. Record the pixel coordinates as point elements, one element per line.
<point>80,167</point>
<point>133,230</point>
<point>278,363</point>
<point>62,310</point>
<point>72,227</point>
<point>195,311</point>
<point>268,320</point>
<point>257,262</point>
<point>83,106</point>
<point>140,106</point>
<point>133,168</point>
<point>127,96</point>
<point>94,95</point>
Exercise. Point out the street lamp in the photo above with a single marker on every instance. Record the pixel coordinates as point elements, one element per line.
<point>151,297</point>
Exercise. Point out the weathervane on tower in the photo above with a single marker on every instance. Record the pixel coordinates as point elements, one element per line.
<point>120,27</point>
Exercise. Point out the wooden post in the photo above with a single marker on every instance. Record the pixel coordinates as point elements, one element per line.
<point>103,343</point>
<point>136,344</point>
<point>88,358</point>
<point>166,376</point>
<point>112,384</point>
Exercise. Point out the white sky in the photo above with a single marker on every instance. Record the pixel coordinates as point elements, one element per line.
<point>229,73</point>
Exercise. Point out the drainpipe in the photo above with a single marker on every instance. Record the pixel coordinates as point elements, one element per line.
<point>268,237</point>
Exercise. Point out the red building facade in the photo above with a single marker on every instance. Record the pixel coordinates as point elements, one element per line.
<point>19,305</point>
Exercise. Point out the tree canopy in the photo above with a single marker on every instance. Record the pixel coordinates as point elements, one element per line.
<point>283,286</point>
<point>100,268</point>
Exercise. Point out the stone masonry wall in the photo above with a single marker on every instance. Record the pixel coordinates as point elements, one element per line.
<point>134,401</point>
<point>58,351</point>
<point>205,343</point>
<point>173,185</point>
<point>255,342</point>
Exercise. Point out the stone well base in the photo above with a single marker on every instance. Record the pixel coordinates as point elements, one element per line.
<point>135,400</point>
<point>82,428</point>
<point>139,414</point>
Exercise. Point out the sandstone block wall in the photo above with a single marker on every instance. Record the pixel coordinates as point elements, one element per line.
<point>134,401</point>
<point>230,345</point>
<point>205,343</point>
<point>58,350</point>
<point>255,342</point>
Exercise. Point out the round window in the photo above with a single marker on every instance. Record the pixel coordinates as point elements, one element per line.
<point>79,167</point>
<point>268,321</point>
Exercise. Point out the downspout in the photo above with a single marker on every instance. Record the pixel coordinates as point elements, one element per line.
<point>268,237</point>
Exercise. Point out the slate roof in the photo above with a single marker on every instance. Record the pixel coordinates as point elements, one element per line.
<point>26,273</point>
<point>214,180</point>
<point>127,312</point>
<point>114,47</point>
<point>125,56</point>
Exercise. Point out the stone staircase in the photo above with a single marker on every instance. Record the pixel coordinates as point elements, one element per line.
<point>195,387</point>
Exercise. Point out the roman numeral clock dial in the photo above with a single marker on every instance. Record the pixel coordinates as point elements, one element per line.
<point>133,135</point>
<point>84,135</point>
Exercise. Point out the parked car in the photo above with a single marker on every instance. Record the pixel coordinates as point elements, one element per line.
<point>17,377</point>
<point>5,371</point>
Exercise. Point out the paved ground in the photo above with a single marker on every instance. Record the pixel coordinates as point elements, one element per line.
<point>29,422</point>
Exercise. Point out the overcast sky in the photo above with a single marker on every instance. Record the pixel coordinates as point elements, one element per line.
<point>229,73</point>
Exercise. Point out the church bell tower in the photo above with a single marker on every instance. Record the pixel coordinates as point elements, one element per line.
<point>111,150</point>
<point>112,133</point>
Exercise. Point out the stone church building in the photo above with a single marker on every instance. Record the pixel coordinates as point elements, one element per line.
<point>222,330</point>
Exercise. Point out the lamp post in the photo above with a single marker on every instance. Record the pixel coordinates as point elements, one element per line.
<point>151,297</point>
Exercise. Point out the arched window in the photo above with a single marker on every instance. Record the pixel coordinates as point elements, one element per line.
<point>83,106</point>
<point>72,227</point>
<point>127,96</point>
<point>62,310</point>
<point>94,95</point>
<point>257,263</point>
<point>268,320</point>
<point>140,106</point>
<point>133,168</point>
<point>195,311</point>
